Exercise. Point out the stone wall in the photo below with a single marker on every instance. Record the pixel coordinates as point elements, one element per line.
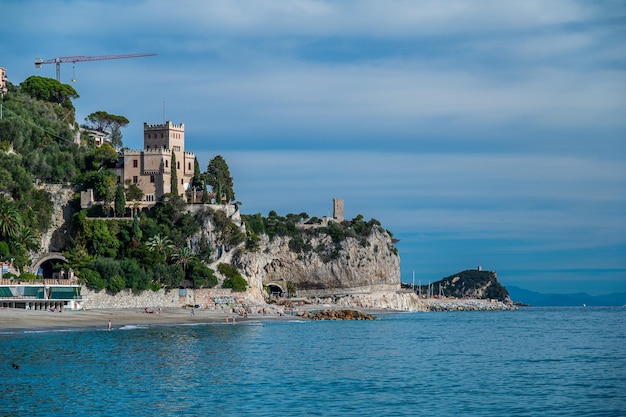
<point>157,299</point>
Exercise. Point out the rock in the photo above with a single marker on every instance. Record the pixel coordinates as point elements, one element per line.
<point>358,267</point>
<point>338,315</point>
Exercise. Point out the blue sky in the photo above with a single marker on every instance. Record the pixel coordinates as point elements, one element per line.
<point>485,133</point>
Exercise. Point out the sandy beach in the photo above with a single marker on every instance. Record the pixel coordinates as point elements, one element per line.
<point>15,320</point>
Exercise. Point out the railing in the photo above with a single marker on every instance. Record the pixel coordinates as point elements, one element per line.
<point>45,281</point>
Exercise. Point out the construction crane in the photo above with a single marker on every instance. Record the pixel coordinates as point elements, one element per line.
<point>73,59</point>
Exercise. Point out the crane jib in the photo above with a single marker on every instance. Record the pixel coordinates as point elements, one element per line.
<point>59,60</point>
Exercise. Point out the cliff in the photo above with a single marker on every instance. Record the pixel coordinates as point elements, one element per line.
<point>351,266</point>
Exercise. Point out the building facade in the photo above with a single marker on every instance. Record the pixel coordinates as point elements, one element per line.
<point>151,168</point>
<point>3,81</point>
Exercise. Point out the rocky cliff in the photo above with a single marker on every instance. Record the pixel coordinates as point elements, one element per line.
<point>55,238</point>
<point>352,266</point>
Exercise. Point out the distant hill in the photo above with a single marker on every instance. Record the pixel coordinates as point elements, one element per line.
<point>534,298</point>
<point>471,283</point>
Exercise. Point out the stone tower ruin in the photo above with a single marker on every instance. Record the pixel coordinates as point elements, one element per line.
<point>338,210</point>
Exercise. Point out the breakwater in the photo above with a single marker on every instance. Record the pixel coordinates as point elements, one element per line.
<point>409,301</point>
<point>466,305</point>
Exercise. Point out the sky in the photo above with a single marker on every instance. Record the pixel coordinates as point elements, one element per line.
<point>481,132</point>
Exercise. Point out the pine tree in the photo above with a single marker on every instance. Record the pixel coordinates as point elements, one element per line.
<point>218,177</point>
<point>120,201</point>
<point>174,177</point>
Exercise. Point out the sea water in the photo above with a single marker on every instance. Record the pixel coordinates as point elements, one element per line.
<point>532,362</point>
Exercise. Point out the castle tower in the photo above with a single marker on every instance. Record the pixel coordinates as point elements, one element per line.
<point>338,210</point>
<point>170,136</point>
<point>164,136</point>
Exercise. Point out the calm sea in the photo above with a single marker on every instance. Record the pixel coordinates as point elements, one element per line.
<point>534,362</point>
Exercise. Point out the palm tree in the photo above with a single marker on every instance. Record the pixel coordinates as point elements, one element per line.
<point>27,239</point>
<point>183,256</point>
<point>10,221</point>
<point>160,244</point>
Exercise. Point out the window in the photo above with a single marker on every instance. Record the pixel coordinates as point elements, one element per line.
<point>166,163</point>
<point>135,180</point>
<point>177,165</point>
<point>181,181</point>
<point>189,166</point>
<point>135,163</point>
<point>148,135</point>
<point>152,178</point>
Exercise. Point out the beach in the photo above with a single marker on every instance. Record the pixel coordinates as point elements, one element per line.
<point>32,320</point>
<point>12,319</point>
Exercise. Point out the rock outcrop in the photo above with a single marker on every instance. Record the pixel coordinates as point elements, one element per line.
<point>350,268</point>
<point>337,315</point>
<point>55,238</point>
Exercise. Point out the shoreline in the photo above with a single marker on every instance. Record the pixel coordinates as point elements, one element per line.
<point>20,321</point>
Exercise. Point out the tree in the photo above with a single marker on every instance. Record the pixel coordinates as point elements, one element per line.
<point>197,182</point>
<point>104,186</point>
<point>105,156</point>
<point>160,244</point>
<point>183,256</point>
<point>120,201</point>
<point>218,176</point>
<point>174,177</point>
<point>10,221</point>
<point>133,193</point>
<point>108,123</point>
<point>27,239</point>
<point>49,89</point>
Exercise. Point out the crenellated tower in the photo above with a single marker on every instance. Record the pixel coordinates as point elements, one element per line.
<point>151,168</point>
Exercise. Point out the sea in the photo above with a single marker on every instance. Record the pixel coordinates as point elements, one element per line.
<point>537,361</point>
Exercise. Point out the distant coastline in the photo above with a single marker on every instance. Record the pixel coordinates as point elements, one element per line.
<point>534,298</point>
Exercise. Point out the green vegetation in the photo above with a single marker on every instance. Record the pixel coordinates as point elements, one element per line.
<point>39,144</point>
<point>108,123</point>
<point>300,229</point>
<point>174,177</point>
<point>465,283</point>
<point>233,279</point>
<point>218,176</point>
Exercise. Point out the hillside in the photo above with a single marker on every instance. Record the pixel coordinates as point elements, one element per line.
<point>177,241</point>
<point>471,283</point>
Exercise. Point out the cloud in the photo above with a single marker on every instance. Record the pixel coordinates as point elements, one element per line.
<point>551,200</point>
<point>479,132</point>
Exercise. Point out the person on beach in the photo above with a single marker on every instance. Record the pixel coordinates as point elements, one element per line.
<point>109,326</point>
<point>192,312</point>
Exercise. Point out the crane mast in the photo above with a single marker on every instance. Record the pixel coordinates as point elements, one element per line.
<point>73,59</point>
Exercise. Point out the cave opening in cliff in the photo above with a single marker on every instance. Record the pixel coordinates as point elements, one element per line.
<point>275,290</point>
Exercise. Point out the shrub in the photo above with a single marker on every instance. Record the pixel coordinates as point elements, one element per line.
<point>92,279</point>
<point>233,279</point>
<point>236,283</point>
<point>116,284</point>
<point>27,276</point>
